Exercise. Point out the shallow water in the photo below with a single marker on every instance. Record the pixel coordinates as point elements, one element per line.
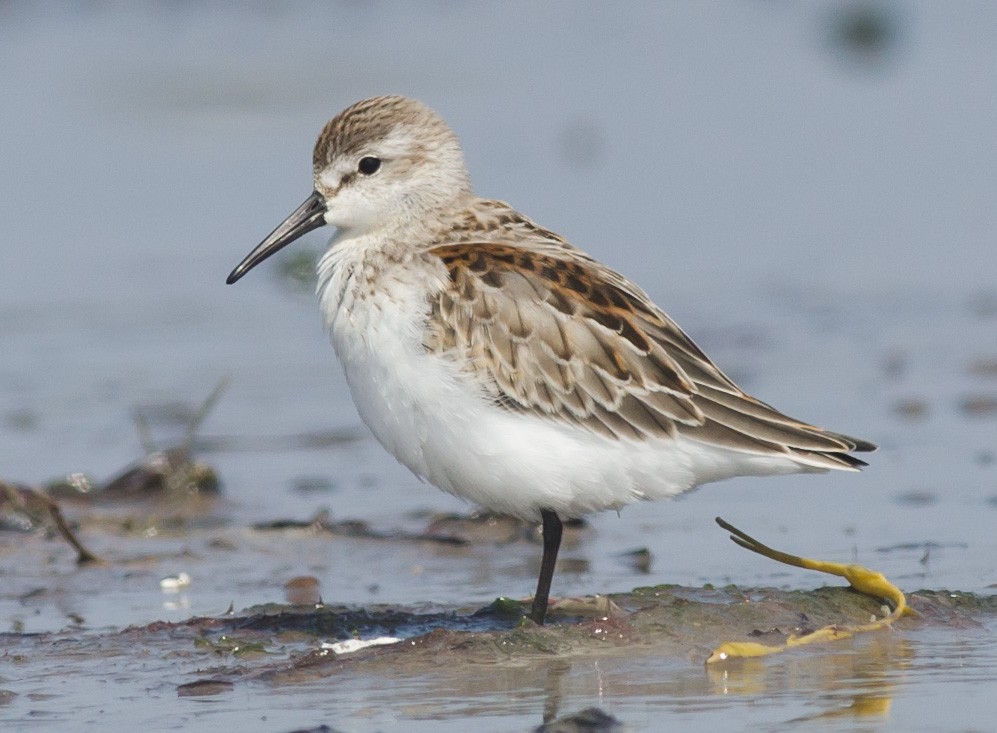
<point>645,666</point>
<point>811,202</point>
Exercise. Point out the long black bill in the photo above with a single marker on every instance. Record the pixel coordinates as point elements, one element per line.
<point>310,215</point>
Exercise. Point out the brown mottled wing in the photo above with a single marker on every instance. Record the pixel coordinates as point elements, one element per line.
<point>574,341</point>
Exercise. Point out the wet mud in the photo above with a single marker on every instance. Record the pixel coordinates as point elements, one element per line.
<point>649,639</point>
<point>660,621</point>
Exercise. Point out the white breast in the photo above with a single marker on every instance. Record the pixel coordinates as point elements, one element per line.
<point>428,414</point>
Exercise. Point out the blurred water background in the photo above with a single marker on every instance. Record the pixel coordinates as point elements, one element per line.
<point>807,188</point>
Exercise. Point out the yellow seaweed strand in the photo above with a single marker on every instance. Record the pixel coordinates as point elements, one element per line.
<point>862,579</point>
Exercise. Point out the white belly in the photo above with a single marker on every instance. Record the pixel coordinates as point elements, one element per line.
<point>432,419</point>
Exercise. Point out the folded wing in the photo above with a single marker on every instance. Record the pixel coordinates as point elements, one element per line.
<point>570,340</point>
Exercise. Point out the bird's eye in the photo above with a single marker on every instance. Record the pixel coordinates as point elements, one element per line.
<point>368,166</point>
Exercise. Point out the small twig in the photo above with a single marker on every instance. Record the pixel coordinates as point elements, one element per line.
<point>202,412</point>
<point>84,556</point>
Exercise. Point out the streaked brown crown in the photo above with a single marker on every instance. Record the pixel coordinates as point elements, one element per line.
<point>374,119</point>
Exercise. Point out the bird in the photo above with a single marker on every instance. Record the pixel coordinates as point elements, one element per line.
<point>499,362</point>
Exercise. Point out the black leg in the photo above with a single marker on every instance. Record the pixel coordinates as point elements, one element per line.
<point>552,542</point>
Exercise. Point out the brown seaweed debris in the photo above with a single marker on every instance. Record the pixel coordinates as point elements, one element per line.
<point>37,506</point>
<point>199,688</point>
<point>485,526</point>
<point>170,473</point>
<point>456,530</point>
<point>589,720</point>
<point>355,528</point>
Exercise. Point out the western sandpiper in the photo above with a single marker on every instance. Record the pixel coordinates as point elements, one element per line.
<point>499,362</point>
